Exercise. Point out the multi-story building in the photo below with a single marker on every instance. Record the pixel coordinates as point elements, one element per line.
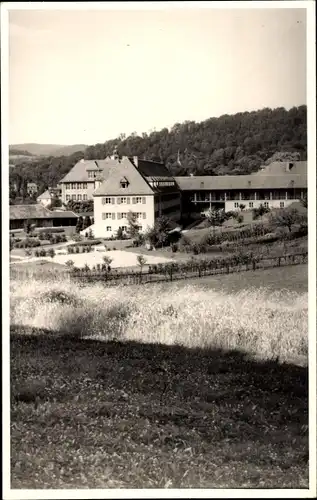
<point>82,180</point>
<point>275,186</point>
<point>143,187</point>
<point>147,188</point>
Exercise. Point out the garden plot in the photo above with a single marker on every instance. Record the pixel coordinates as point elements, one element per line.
<point>120,258</point>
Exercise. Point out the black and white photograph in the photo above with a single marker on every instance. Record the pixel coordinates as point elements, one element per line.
<point>159,276</point>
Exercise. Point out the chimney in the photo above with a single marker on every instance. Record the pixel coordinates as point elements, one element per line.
<point>136,161</point>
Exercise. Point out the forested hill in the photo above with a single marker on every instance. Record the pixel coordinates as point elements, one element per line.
<point>230,144</point>
<point>235,144</point>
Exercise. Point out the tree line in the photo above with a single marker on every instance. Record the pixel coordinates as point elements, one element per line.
<point>231,144</point>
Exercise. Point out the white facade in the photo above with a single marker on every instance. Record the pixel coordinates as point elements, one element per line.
<point>77,191</point>
<point>45,201</point>
<point>110,213</point>
<point>250,204</point>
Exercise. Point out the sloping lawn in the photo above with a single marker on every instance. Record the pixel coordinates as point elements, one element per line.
<point>88,414</point>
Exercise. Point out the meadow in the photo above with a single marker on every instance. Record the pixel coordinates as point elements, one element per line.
<point>159,386</point>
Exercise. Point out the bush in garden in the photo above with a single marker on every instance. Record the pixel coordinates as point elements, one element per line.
<point>51,253</point>
<point>50,230</point>
<point>77,249</point>
<point>28,252</point>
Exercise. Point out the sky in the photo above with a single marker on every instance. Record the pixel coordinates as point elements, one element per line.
<point>83,77</point>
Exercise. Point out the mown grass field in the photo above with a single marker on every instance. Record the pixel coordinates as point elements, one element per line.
<point>159,386</point>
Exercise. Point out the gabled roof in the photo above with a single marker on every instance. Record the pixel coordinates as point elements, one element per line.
<point>222,182</point>
<point>29,212</point>
<point>79,173</point>
<point>45,195</point>
<point>281,167</point>
<point>125,168</point>
<point>38,212</point>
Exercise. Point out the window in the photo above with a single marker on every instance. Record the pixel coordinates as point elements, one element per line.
<point>84,197</point>
<point>123,200</point>
<point>79,196</point>
<point>107,201</point>
<point>236,205</point>
<point>281,204</point>
<point>85,185</point>
<point>124,183</point>
<point>73,197</point>
<point>266,204</point>
<point>122,215</point>
<point>67,185</point>
<point>73,185</point>
<point>137,200</point>
<point>138,215</point>
<point>79,185</point>
<point>106,215</point>
<point>108,228</point>
<point>92,174</point>
<point>251,204</point>
<point>67,197</point>
<point>124,228</point>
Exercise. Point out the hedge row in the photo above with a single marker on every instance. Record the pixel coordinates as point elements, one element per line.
<point>50,230</point>
<point>27,243</point>
<point>79,249</point>
<point>86,243</point>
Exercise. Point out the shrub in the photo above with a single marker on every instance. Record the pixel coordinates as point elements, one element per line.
<point>86,243</point>
<point>174,247</point>
<point>49,230</point>
<point>77,249</point>
<point>70,264</point>
<point>28,252</point>
<point>27,243</point>
<point>51,253</point>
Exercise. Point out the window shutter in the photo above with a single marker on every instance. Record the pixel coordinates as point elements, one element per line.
<point>112,201</point>
<point>144,215</point>
<point>119,215</point>
<point>103,201</point>
<point>133,201</point>
<point>128,201</point>
<point>143,200</point>
<point>113,216</point>
<point>119,201</point>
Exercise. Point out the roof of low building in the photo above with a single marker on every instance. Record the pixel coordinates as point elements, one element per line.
<point>37,211</point>
<point>29,212</point>
<point>222,182</point>
<point>64,214</point>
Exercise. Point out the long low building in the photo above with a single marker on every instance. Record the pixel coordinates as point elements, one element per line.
<point>40,216</point>
<point>276,186</point>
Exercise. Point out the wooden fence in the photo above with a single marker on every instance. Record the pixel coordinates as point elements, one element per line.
<point>132,278</point>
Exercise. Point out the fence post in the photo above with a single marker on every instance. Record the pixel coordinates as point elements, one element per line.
<point>254,265</point>
<point>279,261</point>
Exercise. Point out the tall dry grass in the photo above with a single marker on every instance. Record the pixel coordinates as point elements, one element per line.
<point>264,324</point>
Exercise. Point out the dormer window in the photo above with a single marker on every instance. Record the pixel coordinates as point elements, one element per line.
<point>92,173</point>
<point>124,183</point>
